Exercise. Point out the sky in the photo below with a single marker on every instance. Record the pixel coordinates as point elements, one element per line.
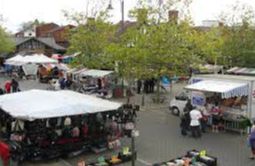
<point>16,12</point>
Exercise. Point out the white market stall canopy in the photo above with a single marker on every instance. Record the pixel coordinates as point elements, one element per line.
<point>38,58</point>
<point>226,88</point>
<point>35,58</point>
<point>42,104</point>
<point>96,73</point>
<point>16,60</point>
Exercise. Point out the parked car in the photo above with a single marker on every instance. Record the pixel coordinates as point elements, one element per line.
<point>178,103</point>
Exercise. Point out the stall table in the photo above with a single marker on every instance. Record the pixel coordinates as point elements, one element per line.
<point>238,125</point>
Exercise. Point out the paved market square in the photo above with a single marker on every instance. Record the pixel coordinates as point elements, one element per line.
<point>160,138</point>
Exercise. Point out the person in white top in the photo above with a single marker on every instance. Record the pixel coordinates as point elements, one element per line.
<point>195,116</point>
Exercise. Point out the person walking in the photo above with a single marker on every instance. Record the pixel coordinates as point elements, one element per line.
<point>204,119</point>
<point>1,91</point>
<point>185,121</point>
<point>14,85</point>
<point>188,107</point>
<point>146,86</point>
<point>216,118</point>
<point>251,141</point>
<point>139,86</point>
<point>195,116</point>
<point>7,86</point>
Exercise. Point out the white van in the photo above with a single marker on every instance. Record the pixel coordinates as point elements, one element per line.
<point>178,103</point>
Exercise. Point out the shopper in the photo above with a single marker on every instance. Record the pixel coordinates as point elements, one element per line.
<point>62,83</point>
<point>205,117</point>
<point>251,141</point>
<point>185,121</point>
<point>99,83</point>
<point>1,91</point>
<point>139,86</point>
<point>216,118</point>
<point>14,85</point>
<point>195,116</point>
<point>7,86</point>
<point>188,107</point>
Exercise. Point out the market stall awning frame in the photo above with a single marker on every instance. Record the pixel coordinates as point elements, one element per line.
<point>43,104</point>
<point>96,73</point>
<point>226,88</point>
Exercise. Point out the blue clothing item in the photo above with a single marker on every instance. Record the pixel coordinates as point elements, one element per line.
<point>252,135</point>
<point>62,83</point>
<point>252,143</point>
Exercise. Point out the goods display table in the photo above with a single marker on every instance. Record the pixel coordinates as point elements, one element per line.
<point>238,125</point>
<point>192,158</point>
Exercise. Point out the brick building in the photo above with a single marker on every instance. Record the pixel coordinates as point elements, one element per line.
<point>46,38</point>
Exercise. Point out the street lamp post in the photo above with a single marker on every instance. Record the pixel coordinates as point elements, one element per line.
<point>134,133</point>
<point>110,7</point>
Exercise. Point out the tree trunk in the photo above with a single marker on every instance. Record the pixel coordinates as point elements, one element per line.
<point>128,91</point>
<point>157,98</point>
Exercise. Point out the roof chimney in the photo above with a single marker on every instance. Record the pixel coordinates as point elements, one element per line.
<point>173,16</point>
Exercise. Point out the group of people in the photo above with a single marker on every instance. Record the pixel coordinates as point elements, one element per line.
<point>10,86</point>
<point>146,85</point>
<point>196,119</point>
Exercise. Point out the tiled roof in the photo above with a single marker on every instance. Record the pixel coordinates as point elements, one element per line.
<point>49,41</point>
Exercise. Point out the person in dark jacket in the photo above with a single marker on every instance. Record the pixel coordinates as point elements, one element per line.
<point>14,85</point>
<point>185,120</point>
<point>1,91</point>
<point>139,86</point>
<point>62,82</point>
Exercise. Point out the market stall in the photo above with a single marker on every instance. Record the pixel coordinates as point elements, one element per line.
<point>241,71</point>
<point>29,64</point>
<point>230,97</point>
<point>91,81</point>
<point>39,124</point>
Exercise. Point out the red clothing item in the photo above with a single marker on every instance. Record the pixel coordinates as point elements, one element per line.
<point>85,130</point>
<point>8,87</point>
<point>4,153</point>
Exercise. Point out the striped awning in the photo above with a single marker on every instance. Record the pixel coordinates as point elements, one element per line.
<point>226,88</point>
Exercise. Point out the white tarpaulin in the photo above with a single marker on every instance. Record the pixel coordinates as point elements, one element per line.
<point>96,73</point>
<point>35,58</point>
<point>41,104</point>
<point>38,58</point>
<point>16,60</point>
<point>226,88</point>
<point>30,69</point>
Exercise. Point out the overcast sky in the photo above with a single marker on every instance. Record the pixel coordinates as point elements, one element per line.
<point>17,11</point>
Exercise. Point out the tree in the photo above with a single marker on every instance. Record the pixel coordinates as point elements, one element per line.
<point>91,39</point>
<point>30,24</point>
<point>239,44</point>
<point>6,45</point>
<point>153,49</point>
<point>210,45</point>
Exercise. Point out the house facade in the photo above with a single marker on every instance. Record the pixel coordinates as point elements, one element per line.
<point>47,38</point>
<point>45,45</point>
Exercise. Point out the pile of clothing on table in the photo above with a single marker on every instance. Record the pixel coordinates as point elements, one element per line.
<point>192,158</point>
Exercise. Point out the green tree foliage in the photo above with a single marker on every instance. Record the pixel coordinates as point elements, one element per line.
<point>238,33</point>
<point>151,49</point>
<point>209,44</point>
<point>6,45</point>
<point>30,24</point>
<point>91,39</point>
<point>239,46</point>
